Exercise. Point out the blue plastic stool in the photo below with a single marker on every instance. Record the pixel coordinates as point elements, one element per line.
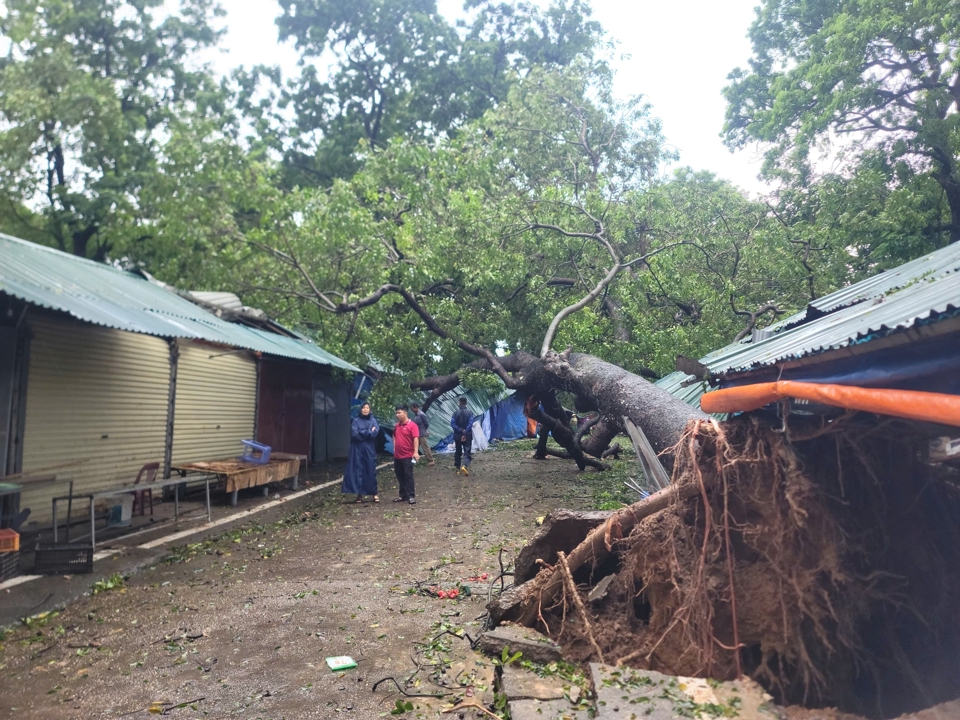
<point>254,452</point>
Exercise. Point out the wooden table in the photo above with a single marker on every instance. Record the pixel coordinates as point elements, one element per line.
<point>237,475</point>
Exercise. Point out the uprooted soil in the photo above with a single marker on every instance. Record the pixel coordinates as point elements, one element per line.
<point>830,555</point>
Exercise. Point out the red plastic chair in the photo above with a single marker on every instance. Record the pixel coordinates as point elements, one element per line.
<point>148,473</point>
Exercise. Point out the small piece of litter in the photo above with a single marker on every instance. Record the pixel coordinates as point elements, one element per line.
<point>341,662</point>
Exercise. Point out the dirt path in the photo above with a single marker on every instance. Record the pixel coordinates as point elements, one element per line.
<point>245,620</point>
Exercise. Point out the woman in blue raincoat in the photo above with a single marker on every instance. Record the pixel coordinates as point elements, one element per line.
<point>360,475</point>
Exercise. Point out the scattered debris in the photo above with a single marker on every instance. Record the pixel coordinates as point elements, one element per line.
<point>165,708</point>
<point>535,646</point>
<point>664,697</point>
<point>599,591</point>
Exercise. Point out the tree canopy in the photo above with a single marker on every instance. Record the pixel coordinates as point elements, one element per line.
<point>877,81</point>
<point>462,190</point>
<point>400,69</point>
<point>89,89</point>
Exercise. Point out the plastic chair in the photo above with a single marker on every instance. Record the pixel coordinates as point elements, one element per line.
<point>148,473</point>
<point>254,452</point>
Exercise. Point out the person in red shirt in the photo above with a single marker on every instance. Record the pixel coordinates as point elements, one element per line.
<point>406,445</point>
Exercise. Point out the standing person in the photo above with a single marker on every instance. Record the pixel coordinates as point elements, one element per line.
<point>406,443</point>
<point>462,424</point>
<point>360,475</point>
<point>423,424</point>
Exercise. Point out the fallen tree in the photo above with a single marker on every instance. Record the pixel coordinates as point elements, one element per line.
<point>598,386</point>
<point>525,225</point>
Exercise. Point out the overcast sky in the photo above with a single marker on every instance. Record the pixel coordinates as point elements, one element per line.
<point>680,53</point>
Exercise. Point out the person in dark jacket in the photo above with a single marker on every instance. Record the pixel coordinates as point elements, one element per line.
<point>423,424</point>
<point>462,424</point>
<point>360,475</point>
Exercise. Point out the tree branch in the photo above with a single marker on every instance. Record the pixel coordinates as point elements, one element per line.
<point>754,316</point>
<point>432,325</point>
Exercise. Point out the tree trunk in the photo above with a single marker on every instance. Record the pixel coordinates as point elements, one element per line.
<point>615,393</point>
<point>597,385</point>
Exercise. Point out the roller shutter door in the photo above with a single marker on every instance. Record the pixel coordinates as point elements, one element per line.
<point>215,402</point>
<point>97,399</point>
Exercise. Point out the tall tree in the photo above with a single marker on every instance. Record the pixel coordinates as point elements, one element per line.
<point>541,226</point>
<point>863,75</point>
<point>87,92</point>
<point>399,68</point>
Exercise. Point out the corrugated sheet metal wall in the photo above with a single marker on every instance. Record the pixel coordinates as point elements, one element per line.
<point>215,404</point>
<point>95,395</point>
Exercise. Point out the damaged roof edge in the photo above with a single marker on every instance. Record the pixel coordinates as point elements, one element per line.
<point>920,293</point>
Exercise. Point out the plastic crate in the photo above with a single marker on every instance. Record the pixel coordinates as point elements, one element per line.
<point>9,565</point>
<point>63,560</point>
<point>9,540</point>
<point>254,452</point>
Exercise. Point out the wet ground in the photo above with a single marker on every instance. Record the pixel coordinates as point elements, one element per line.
<point>245,618</point>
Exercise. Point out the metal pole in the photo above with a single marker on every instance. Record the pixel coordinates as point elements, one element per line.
<point>69,510</point>
<point>171,410</point>
<point>208,498</point>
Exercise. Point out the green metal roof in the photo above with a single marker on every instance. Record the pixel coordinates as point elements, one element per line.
<point>923,291</point>
<point>442,409</point>
<point>107,296</point>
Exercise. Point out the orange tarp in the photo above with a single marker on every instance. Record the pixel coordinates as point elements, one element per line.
<point>911,404</point>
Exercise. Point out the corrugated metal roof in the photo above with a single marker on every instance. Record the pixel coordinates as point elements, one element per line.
<point>443,408</point>
<point>226,300</point>
<point>931,266</point>
<point>105,295</point>
<point>672,384</point>
<point>920,291</point>
<point>847,326</point>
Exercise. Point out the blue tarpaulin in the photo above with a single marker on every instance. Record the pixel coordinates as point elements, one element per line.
<point>931,365</point>
<point>507,421</point>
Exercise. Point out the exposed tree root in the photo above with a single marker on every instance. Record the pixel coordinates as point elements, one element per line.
<point>828,570</point>
<point>578,603</point>
<point>548,584</point>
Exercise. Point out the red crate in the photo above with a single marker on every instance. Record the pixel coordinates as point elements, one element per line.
<point>9,540</point>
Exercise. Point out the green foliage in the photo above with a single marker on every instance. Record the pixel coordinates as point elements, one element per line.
<point>40,620</point>
<point>876,80</point>
<point>607,489</point>
<point>506,658</point>
<point>402,707</point>
<point>481,380</point>
<point>452,223</point>
<point>389,391</point>
<point>114,582</point>
<point>488,169</point>
<point>88,90</point>
<point>400,69</point>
